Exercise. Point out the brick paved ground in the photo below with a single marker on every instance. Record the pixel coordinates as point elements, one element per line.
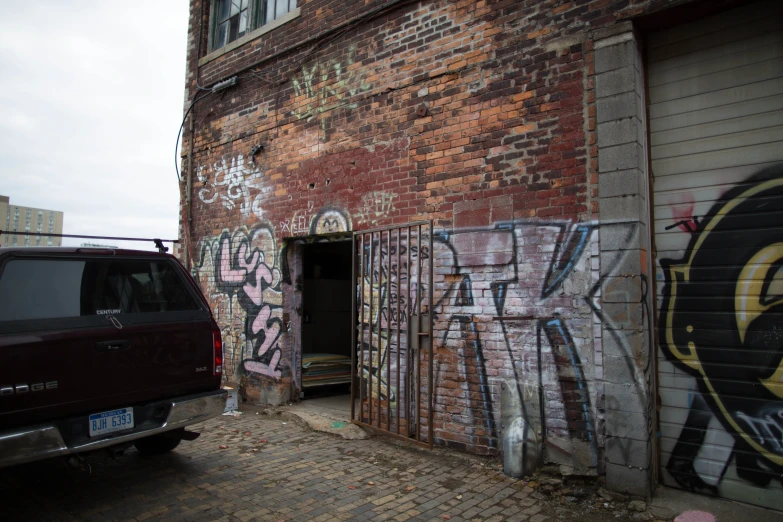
<point>295,475</point>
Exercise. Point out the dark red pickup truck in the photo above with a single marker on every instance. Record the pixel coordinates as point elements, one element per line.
<point>102,348</point>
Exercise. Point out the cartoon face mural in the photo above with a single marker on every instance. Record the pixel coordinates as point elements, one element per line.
<point>329,221</point>
<point>721,321</point>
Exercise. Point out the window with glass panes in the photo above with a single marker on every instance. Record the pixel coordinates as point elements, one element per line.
<point>233,19</point>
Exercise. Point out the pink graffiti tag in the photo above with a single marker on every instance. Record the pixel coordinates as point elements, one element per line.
<point>271,334</point>
<point>255,276</point>
<point>230,275</point>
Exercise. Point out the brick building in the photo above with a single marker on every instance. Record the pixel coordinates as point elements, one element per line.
<point>547,229</point>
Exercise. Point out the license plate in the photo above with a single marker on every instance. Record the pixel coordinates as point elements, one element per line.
<point>109,421</point>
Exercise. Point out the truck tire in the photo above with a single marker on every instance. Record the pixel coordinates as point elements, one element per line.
<point>156,444</point>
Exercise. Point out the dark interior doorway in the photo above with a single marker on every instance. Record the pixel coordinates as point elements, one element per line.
<point>326,320</point>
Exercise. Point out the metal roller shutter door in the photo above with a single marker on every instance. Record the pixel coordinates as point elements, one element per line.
<point>716,136</point>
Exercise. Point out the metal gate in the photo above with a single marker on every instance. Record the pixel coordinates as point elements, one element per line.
<point>392,391</point>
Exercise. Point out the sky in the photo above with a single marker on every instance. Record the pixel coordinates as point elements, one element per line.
<point>91,99</point>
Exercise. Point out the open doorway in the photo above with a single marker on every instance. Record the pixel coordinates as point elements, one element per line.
<point>326,323</point>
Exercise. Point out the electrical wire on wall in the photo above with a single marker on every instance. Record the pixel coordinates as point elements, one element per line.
<point>182,126</point>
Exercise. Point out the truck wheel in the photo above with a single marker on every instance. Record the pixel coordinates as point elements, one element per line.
<point>156,444</point>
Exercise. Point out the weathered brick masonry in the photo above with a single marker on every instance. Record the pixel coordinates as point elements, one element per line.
<point>483,117</point>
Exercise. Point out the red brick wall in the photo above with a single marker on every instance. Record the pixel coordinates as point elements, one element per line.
<point>473,114</point>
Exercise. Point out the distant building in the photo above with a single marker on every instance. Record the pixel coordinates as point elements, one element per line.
<point>15,218</point>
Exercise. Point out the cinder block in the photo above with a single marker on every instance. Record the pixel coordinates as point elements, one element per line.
<point>621,183</point>
<point>621,157</point>
<point>617,132</point>
<point>621,236</point>
<point>628,452</point>
<point>623,208</point>
<point>626,424</point>
<point>623,401</point>
<point>626,343</point>
<point>630,481</point>
<point>612,30</point>
<point>618,370</point>
<point>621,262</point>
<point>615,56</point>
<point>622,290</point>
<point>623,316</point>
<point>616,81</point>
<point>618,106</point>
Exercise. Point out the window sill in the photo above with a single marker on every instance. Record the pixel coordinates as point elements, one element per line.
<point>271,26</point>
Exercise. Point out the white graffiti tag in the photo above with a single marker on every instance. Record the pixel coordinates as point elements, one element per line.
<point>233,183</point>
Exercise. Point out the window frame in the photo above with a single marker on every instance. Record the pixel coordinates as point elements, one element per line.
<point>214,22</point>
<point>256,27</point>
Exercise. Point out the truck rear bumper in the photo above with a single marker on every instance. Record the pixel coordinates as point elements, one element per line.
<point>41,442</point>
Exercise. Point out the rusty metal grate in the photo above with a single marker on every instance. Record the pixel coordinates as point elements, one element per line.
<point>392,392</point>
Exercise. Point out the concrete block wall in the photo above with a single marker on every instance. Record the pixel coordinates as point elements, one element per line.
<point>628,409</point>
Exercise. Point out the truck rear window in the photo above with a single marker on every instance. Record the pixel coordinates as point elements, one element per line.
<point>51,288</point>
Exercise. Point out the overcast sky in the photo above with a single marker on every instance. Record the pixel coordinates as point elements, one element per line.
<point>91,97</point>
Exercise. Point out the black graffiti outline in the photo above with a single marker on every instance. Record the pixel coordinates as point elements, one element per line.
<point>751,465</point>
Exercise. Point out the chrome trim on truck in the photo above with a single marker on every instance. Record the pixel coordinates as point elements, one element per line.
<point>31,444</point>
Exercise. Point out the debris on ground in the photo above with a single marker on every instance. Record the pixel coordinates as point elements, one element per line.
<point>583,498</point>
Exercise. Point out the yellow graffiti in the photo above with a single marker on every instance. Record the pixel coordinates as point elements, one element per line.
<point>750,302</point>
<point>750,287</point>
<point>690,359</point>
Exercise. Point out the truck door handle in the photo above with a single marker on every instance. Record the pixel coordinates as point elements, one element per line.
<point>112,346</point>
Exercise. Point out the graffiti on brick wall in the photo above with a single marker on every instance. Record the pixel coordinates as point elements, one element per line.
<point>541,288</point>
<point>233,183</point>
<point>297,225</point>
<point>720,322</point>
<point>505,300</point>
<point>326,85</point>
<point>391,291</point>
<point>328,220</point>
<point>374,205</point>
<point>492,275</point>
<point>571,379</point>
<point>239,275</point>
<point>515,302</point>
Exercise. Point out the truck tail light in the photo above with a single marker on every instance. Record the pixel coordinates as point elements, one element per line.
<point>217,344</point>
